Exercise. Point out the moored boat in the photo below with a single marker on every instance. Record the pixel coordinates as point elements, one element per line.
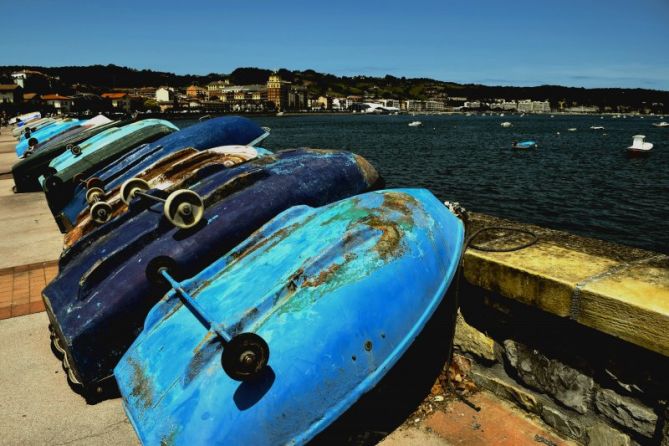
<point>529,144</point>
<point>345,290</point>
<point>98,300</point>
<point>661,124</point>
<point>639,147</point>
<point>506,124</point>
<point>415,124</point>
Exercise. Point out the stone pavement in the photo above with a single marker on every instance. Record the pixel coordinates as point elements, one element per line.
<point>37,405</point>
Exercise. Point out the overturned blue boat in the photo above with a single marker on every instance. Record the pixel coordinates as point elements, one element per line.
<point>275,340</point>
<point>233,130</point>
<point>99,299</point>
<point>27,171</point>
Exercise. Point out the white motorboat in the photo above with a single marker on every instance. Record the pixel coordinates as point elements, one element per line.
<point>415,124</point>
<point>571,129</point>
<point>597,127</point>
<point>661,124</point>
<point>639,147</point>
<point>506,124</point>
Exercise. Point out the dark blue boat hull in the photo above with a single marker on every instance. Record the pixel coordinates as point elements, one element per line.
<point>229,130</point>
<point>98,301</point>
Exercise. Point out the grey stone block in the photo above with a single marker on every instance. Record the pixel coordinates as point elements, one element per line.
<point>626,412</point>
<point>565,384</point>
<point>601,434</point>
<point>564,423</point>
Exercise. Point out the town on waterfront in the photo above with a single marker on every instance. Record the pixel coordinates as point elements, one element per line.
<point>113,89</point>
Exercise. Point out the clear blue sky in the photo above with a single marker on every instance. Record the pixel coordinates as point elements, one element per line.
<point>589,43</point>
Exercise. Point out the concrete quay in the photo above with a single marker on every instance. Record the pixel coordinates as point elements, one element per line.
<point>38,407</point>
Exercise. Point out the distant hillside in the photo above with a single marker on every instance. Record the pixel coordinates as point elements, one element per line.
<point>100,77</point>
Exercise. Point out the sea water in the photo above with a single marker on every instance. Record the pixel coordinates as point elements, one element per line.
<point>578,181</point>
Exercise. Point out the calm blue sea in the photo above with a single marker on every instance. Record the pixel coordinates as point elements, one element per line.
<point>580,181</point>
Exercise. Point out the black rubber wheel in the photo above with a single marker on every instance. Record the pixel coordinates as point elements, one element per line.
<point>158,263</point>
<point>245,356</point>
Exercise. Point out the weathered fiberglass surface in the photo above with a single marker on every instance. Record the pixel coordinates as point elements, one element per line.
<point>98,300</point>
<point>227,130</point>
<point>45,133</point>
<point>91,147</point>
<point>27,171</point>
<point>168,174</point>
<point>338,293</point>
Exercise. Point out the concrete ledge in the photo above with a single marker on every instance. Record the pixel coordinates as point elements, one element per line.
<point>614,289</point>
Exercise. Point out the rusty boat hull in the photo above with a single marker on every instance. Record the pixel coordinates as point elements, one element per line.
<point>167,175</point>
<point>227,130</point>
<point>346,290</point>
<point>99,299</point>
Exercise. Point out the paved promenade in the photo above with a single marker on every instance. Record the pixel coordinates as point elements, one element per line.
<point>37,407</point>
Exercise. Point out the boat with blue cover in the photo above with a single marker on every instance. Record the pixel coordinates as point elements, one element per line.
<point>529,144</point>
<point>226,358</point>
<point>83,159</point>
<point>98,300</point>
<point>229,130</point>
<point>45,134</point>
<point>168,175</point>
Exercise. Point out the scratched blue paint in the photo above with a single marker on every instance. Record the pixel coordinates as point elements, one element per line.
<point>18,132</point>
<point>103,140</point>
<point>28,170</point>
<point>372,268</point>
<point>99,299</point>
<point>46,133</point>
<point>228,130</point>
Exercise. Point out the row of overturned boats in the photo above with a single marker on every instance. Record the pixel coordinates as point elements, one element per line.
<point>230,293</point>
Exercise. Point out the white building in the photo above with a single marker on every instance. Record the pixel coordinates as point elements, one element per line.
<point>412,105</point>
<point>165,94</point>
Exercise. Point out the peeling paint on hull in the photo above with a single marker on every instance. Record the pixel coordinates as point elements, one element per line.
<point>338,304</point>
<point>168,175</point>
<point>101,295</point>
<point>227,130</point>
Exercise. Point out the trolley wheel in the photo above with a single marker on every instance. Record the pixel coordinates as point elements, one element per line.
<point>52,182</point>
<point>78,178</point>
<point>131,186</point>
<point>101,212</point>
<point>94,194</point>
<point>184,208</point>
<point>245,356</point>
<point>95,182</point>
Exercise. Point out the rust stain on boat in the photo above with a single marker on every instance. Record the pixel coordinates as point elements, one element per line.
<point>390,241</point>
<point>369,173</point>
<point>141,386</point>
<point>323,277</point>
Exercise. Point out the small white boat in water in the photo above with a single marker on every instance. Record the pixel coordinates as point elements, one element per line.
<point>597,127</point>
<point>506,124</point>
<point>415,124</point>
<point>639,147</point>
<point>661,124</point>
<point>572,129</point>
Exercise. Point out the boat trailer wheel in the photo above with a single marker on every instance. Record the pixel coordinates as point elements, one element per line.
<point>184,208</point>
<point>245,356</point>
<point>131,187</point>
<point>101,212</point>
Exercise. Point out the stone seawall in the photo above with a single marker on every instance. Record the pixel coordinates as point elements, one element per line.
<point>572,330</point>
